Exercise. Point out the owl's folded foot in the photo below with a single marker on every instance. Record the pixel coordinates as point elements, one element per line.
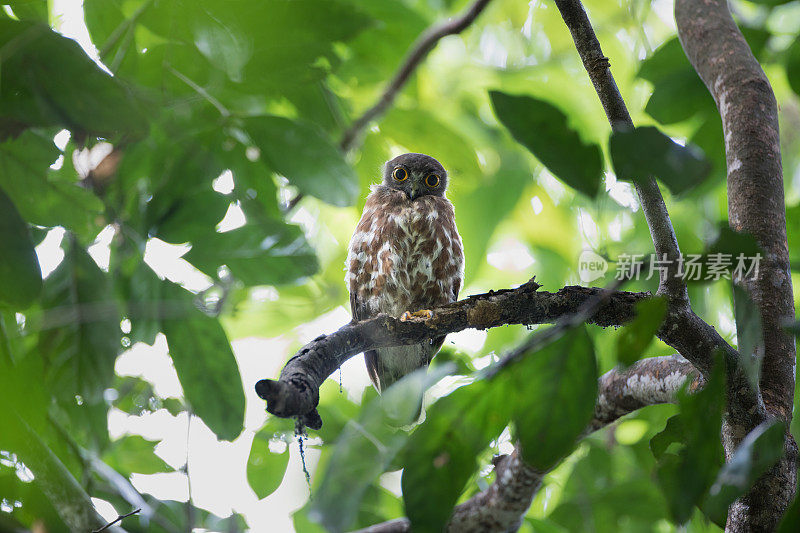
<point>423,313</point>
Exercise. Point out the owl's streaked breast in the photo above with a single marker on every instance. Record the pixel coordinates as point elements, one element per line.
<point>405,255</point>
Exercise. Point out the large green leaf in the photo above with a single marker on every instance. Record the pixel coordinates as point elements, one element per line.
<point>205,364</point>
<point>365,448</point>
<point>81,318</point>
<point>192,217</point>
<point>686,476</point>
<point>264,46</point>
<point>48,80</point>
<point>24,176</point>
<point>678,92</point>
<point>270,252</point>
<point>30,9</point>
<point>544,130</point>
<point>306,157</point>
<point>265,468</point>
<point>757,453</point>
<point>562,380</point>
<point>20,275</point>
<point>645,152</point>
<point>442,454</point>
<point>560,384</point>
<point>133,453</point>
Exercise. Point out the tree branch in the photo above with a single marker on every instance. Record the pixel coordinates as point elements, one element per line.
<point>683,330</point>
<point>296,392</point>
<point>655,211</point>
<point>747,106</point>
<point>501,507</point>
<point>426,42</point>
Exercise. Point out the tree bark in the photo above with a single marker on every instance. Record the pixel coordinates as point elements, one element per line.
<point>744,97</point>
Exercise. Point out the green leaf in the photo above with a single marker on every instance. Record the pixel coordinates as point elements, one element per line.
<point>562,380</point>
<point>685,477</point>
<point>560,384</point>
<point>267,253</point>
<point>645,152</point>
<point>306,157</point>
<point>674,432</point>
<point>265,469</point>
<point>134,454</point>
<point>734,243</point>
<point>50,475</point>
<point>678,92</point>
<point>48,80</point>
<point>749,334</point>
<point>638,334</point>
<point>442,454</point>
<point>30,9</point>
<point>206,367</point>
<point>24,176</point>
<point>793,65</point>
<point>791,520</point>
<point>366,447</point>
<point>82,344</point>
<point>192,217</point>
<point>268,44</point>
<point>20,275</point>
<point>757,453</point>
<point>544,130</point>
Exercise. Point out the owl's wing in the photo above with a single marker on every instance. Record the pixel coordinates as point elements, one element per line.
<point>360,312</point>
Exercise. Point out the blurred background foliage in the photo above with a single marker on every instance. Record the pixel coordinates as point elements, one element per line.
<point>204,118</point>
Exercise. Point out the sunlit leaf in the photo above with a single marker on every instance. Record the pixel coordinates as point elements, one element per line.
<point>306,157</point>
<point>133,453</point>
<point>24,176</point>
<point>543,129</point>
<point>442,454</point>
<point>48,80</point>
<point>82,337</point>
<point>267,253</point>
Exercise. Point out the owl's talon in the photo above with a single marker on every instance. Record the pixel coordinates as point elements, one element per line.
<point>423,313</point>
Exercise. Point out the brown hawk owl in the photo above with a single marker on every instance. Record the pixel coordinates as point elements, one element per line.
<point>405,257</point>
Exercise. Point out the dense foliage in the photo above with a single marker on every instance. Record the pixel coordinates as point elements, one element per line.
<point>196,94</point>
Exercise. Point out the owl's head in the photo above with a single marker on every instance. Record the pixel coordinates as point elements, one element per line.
<point>416,175</point>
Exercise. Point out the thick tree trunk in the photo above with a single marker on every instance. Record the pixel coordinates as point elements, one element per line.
<point>722,58</point>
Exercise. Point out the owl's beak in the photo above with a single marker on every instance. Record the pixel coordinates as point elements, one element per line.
<point>414,194</point>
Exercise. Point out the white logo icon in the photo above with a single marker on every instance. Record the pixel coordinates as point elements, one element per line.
<point>591,266</point>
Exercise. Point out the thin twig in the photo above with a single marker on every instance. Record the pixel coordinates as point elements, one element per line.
<point>118,519</point>
<point>199,90</point>
<point>426,42</point>
<point>419,51</point>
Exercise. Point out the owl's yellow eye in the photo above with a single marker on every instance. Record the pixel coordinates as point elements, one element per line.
<point>432,181</point>
<point>400,174</point>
